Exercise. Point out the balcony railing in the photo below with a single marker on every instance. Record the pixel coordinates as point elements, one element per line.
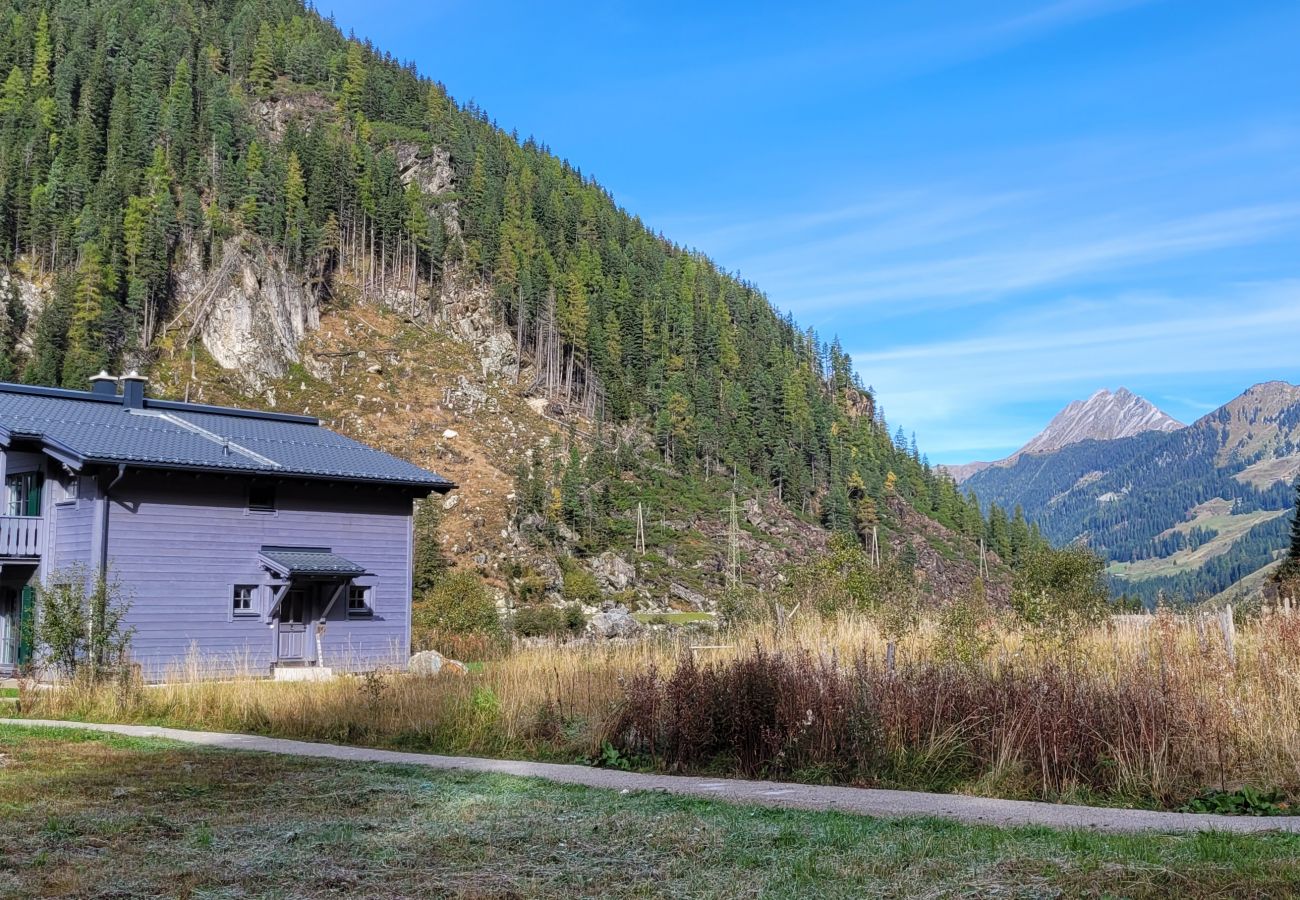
<point>20,536</point>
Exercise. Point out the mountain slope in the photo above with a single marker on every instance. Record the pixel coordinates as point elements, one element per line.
<point>1102,417</point>
<point>214,182</point>
<point>1188,512</point>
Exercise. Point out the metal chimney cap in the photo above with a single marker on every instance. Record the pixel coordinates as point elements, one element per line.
<point>133,375</point>
<point>102,376</point>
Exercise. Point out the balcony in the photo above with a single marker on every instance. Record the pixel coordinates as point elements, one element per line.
<point>20,537</point>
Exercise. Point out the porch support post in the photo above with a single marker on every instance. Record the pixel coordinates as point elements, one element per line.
<point>321,623</point>
<point>334,598</point>
<point>274,609</point>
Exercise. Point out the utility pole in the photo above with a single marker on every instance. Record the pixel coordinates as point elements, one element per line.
<point>733,545</point>
<point>984,565</point>
<point>640,531</point>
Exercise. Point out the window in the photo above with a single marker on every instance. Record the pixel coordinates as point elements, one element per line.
<point>241,601</point>
<point>261,497</point>
<point>359,601</point>
<point>69,487</point>
<point>24,490</point>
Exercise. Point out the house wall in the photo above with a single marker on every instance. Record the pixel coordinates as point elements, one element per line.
<point>178,544</point>
<point>70,527</point>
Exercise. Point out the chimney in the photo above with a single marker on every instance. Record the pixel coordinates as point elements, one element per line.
<point>133,390</point>
<point>103,385</point>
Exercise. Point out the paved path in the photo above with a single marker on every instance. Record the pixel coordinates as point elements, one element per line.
<point>862,801</point>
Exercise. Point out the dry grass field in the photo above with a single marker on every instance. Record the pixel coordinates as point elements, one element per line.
<point>1142,711</point>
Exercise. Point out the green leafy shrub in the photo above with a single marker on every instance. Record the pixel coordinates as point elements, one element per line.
<point>549,621</point>
<point>1246,801</point>
<point>78,629</point>
<point>529,587</point>
<point>458,607</point>
<point>1060,593</point>
<point>580,586</point>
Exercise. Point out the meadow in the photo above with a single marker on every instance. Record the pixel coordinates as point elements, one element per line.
<point>1147,711</point>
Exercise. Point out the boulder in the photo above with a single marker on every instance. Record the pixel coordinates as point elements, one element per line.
<point>428,663</point>
<point>614,623</point>
<point>613,572</point>
<point>686,595</point>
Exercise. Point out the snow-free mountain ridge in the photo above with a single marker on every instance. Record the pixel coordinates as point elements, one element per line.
<point>1104,416</point>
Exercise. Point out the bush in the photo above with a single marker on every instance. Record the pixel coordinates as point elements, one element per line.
<point>77,629</point>
<point>1060,593</point>
<point>580,586</point>
<point>458,605</point>
<point>529,587</point>
<point>549,621</point>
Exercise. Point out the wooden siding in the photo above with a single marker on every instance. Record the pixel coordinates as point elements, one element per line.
<point>178,543</point>
<point>74,524</point>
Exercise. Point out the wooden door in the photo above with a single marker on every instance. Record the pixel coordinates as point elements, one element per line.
<point>293,626</point>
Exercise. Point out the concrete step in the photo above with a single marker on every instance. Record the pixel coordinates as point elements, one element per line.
<point>303,673</point>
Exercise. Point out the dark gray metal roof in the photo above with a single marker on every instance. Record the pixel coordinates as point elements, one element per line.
<point>289,561</point>
<point>82,428</point>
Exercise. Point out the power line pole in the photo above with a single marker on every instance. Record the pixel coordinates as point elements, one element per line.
<point>640,531</point>
<point>733,545</point>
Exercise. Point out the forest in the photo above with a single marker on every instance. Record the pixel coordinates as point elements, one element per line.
<point>130,139</point>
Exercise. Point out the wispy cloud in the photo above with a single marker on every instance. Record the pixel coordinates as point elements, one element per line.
<point>1011,265</point>
<point>963,394</point>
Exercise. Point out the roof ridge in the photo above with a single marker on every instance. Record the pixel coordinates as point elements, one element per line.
<point>58,393</point>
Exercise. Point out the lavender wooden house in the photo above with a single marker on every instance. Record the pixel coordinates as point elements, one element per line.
<point>241,539</point>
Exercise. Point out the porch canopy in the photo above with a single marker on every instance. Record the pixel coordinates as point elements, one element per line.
<point>309,562</point>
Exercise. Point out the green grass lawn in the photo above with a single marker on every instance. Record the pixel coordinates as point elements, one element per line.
<point>672,618</point>
<point>8,693</point>
<point>86,815</point>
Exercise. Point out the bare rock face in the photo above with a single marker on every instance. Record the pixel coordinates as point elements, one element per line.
<point>613,572</point>
<point>274,114</point>
<point>430,168</point>
<point>32,298</point>
<point>249,311</point>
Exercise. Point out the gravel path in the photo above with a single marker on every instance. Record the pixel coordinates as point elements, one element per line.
<point>862,801</point>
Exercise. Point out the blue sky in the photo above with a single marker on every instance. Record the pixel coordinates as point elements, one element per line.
<point>999,207</point>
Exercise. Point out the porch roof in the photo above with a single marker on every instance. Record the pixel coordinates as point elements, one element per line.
<point>318,561</point>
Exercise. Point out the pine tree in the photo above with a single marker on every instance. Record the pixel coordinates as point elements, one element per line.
<point>86,353</point>
<point>42,53</point>
<point>261,71</point>
<point>353,92</point>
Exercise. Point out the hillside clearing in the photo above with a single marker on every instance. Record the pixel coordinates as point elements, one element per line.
<point>97,815</point>
<point>1214,515</point>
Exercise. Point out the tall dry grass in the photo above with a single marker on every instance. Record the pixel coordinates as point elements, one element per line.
<point>1145,711</point>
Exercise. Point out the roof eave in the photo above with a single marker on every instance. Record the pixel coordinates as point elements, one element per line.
<point>428,487</point>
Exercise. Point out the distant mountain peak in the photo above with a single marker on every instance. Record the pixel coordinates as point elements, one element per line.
<point>1104,416</point>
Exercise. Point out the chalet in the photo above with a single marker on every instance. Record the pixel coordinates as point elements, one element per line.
<point>251,540</point>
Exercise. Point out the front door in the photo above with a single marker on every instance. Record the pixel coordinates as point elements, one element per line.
<point>293,626</point>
